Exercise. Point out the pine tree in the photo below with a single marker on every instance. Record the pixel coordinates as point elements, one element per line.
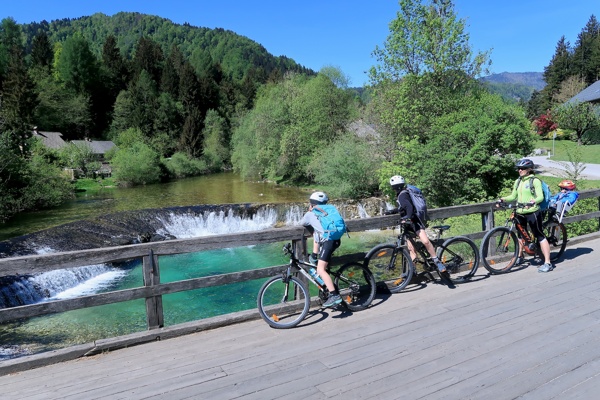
<point>583,64</point>
<point>19,100</point>
<point>41,52</point>
<point>559,69</point>
<point>149,57</point>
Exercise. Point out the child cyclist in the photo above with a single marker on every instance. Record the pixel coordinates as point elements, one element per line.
<point>321,247</point>
<point>567,194</point>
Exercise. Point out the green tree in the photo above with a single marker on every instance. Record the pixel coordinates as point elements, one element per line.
<point>77,66</point>
<point>216,149</point>
<point>581,117</point>
<point>348,166</point>
<point>583,64</point>
<point>427,38</point>
<point>42,54</point>
<point>80,156</point>
<point>148,57</point>
<point>136,164</point>
<point>19,100</point>
<point>559,69</point>
<point>470,153</point>
<point>115,66</point>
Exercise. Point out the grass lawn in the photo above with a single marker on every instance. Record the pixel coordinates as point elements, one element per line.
<point>562,148</point>
<point>87,184</point>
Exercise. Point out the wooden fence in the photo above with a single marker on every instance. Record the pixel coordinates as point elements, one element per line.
<point>153,289</point>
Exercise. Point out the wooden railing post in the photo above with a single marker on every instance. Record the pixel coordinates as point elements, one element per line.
<point>154,307</point>
<point>487,220</point>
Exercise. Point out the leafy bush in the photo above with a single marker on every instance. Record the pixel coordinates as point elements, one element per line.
<point>136,164</point>
<point>347,166</point>
<point>180,165</point>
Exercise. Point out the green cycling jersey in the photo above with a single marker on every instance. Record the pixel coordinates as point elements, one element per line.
<point>522,194</point>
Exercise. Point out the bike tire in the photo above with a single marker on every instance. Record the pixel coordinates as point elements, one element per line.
<point>283,304</point>
<point>556,234</point>
<point>499,250</point>
<point>356,285</point>
<point>460,255</point>
<point>390,265</point>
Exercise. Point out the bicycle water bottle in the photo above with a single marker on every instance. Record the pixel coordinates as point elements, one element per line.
<point>316,277</point>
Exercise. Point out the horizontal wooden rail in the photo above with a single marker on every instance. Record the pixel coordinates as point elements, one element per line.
<point>153,290</point>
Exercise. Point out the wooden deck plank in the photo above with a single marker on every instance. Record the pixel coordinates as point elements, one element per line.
<point>522,334</point>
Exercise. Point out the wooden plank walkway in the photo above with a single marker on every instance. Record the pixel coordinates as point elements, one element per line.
<point>522,335</point>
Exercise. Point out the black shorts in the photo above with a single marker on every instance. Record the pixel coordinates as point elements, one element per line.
<point>534,220</point>
<point>327,248</point>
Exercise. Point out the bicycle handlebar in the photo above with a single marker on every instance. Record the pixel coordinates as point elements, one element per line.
<point>516,205</point>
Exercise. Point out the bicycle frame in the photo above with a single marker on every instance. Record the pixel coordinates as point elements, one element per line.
<point>525,238</point>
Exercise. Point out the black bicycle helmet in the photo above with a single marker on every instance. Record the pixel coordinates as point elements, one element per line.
<point>318,198</point>
<point>525,163</point>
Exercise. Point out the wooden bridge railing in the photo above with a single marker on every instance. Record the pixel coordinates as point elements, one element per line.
<point>153,290</point>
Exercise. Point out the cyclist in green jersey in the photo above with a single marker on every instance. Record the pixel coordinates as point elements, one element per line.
<point>530,214</point>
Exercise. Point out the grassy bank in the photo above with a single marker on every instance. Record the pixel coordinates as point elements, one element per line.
<point>89,185</point>
<point>564,148</point>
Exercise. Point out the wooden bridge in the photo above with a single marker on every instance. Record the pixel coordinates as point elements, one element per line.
<point>522,335</point>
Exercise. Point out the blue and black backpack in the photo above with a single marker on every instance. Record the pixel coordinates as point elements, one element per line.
<point>332,222</point>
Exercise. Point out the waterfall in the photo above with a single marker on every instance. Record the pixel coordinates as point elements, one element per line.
<point>167,223</point>
<point>215,223</point>
<point>58,284</point>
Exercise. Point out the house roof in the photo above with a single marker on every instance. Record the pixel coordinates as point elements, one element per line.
<point>51,140</point>
<point>589,94</point>
<point>97,146</point>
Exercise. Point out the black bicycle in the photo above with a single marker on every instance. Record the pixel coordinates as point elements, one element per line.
<point>392,264</point>
<point>284,300</point>
<point>500,246</point>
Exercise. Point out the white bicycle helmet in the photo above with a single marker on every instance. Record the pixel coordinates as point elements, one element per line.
<point>318,198</point>
<point>397,182</point>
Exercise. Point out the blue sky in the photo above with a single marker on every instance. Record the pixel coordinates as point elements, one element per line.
<point>522,34</point>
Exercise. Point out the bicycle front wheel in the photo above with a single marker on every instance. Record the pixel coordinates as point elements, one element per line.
<point>356,285</point>
<point>499,250</point>
<point>391,265</point>
<point>283,303</point>
<point>460,255</point>
<point>556,234</point>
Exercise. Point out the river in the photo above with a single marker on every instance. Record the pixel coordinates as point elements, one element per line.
<point>223,188</point>
<point>35,335</point>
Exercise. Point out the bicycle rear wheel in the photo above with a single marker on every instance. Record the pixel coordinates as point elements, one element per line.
<point>460,255</point>
<point>356,285</point>
<point>556,234</point>
<point>499,250</point>
<point>283,303</point>
<point>391,265</point>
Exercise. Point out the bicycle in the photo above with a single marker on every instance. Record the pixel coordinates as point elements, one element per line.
<point>500,246</point>
<point>284,300</point>
<point>392,263</point>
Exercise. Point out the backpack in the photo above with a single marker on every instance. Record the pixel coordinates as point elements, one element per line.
<point>545,188</point>
<point>332,222</point>
<point>419,203</point>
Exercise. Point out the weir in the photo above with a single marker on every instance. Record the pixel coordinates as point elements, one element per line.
<point>141,226</point>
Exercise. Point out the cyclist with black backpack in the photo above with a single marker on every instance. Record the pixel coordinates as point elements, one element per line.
<point>324,242</point>
<point>528,208</point>
<point>407,210</point>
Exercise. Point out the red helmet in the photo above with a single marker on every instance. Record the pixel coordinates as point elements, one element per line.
<point>567,184</point>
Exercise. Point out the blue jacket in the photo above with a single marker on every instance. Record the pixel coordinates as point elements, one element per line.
<point>570,196</point>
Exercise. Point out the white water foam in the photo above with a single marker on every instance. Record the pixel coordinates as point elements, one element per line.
<point>91,286</point>
<point>216,223</point>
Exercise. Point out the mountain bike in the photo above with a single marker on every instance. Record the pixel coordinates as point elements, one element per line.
<point>392,264</point>
<point>284,300</point>
<point>500,246</point>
